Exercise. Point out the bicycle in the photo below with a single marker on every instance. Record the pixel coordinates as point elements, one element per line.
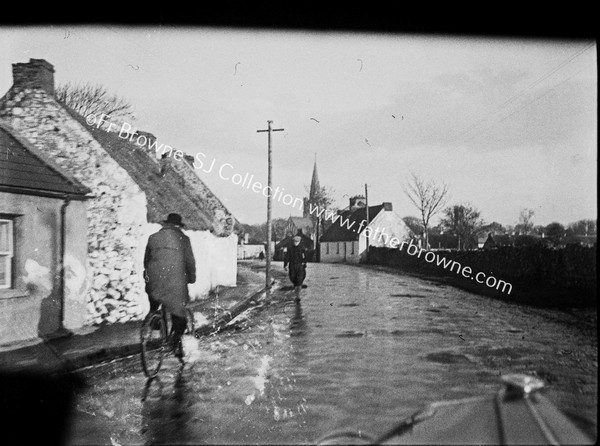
<point>155,333</point>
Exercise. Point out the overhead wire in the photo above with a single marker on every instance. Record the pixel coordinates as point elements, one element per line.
<point>530,102</point>
<point>521,93</point>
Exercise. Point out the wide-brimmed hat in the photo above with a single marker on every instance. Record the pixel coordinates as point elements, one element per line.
<point>174,219</point>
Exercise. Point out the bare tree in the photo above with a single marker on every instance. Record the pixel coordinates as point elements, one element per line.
<point>88,99</point>
<point>428,197</point>
<point>464,222</point>
<point>525,225</point>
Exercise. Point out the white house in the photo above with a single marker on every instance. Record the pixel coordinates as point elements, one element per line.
<point>346,239</point>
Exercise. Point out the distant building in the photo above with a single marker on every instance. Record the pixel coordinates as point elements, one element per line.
<point>487,243</point>
<point>245,250</point>
<point>304,224</point>
<point>346,238</point>
<point>307,223</point>
<point>441,241</point>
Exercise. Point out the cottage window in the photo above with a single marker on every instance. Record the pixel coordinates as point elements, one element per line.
<point>6,253</point>
<point>352,248</point>
<point>338,247</point>
<point>327,248</point>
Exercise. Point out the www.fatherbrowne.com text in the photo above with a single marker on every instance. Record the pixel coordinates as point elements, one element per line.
<point>225,171</point>
<point>412,249</point>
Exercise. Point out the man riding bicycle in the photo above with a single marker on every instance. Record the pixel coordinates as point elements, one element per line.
<point>169,265</point>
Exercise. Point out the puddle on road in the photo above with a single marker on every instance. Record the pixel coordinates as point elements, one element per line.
<point>447,358</point>
<point>408,295</point>
<point>406,333</point>
<point>392,333</point>
<point>512,352</point>
<point>350,334</point>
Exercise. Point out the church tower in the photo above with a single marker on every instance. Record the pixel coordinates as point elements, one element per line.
<point>315,187</point>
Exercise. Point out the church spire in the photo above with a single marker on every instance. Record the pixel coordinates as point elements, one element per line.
<point>314,185</point>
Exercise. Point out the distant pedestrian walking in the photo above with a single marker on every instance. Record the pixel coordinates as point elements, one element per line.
<point>295,256</point>
<point>169,266</point>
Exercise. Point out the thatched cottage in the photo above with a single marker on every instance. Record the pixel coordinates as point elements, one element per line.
<point>128,192</point>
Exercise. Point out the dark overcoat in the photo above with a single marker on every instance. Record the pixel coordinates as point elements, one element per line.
<point>295,256</point>
<point>170,265</point>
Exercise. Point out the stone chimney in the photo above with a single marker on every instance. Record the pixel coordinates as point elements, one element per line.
<point>37,73</point>
<point>356,202</point>
<point>387,206</point>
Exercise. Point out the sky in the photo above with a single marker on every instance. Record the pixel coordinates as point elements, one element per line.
<point>506,123</point>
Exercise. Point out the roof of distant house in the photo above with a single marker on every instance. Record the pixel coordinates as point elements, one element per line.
<point>339,232</point>
<point>301,222</point>
<point>25,169</point>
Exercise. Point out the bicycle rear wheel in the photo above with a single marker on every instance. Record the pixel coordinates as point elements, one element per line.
<point>153,336</point>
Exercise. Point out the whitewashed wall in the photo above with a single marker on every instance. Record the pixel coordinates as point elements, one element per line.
<point>216,260</point>
<point>392,224</point>
<point>249,251</point>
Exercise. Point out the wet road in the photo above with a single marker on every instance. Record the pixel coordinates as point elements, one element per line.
<point>364,348</point>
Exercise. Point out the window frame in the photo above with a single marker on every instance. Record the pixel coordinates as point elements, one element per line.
<point>8,254</point>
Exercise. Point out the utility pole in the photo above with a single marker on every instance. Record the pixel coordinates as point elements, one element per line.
<point>367,206</point>
<point>268,269</point>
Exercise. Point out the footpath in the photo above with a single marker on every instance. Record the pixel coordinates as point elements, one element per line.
<point>93,345</point>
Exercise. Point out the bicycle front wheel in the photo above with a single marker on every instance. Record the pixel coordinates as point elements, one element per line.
<point>153,337</point>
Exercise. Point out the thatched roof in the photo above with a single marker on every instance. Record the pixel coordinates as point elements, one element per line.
<point>170,185</point>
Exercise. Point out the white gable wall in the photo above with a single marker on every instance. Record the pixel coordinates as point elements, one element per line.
<point>387,223</point>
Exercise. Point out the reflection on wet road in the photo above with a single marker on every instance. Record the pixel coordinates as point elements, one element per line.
<point>361,350</point>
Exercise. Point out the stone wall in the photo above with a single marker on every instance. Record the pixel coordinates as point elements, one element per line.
<point>115,215</point>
